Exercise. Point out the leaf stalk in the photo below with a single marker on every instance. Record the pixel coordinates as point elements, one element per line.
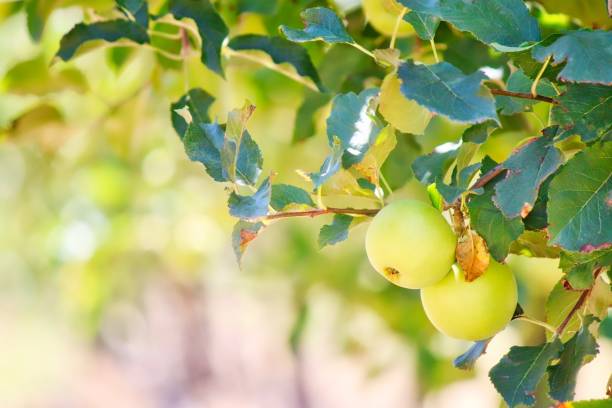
<point>524,95</point>
<point>323,211</point>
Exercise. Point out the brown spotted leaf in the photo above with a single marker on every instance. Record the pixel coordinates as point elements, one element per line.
<point>472,255</point>
<point>244,232</point>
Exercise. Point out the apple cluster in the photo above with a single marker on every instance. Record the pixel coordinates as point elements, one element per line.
<point>411,244</point>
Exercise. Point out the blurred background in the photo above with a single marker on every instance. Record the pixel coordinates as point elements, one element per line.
<point>118,284</point>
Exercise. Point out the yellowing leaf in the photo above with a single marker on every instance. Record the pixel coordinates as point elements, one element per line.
<point>369,167</point>
<point>401,112</point>
<point>472,255</point>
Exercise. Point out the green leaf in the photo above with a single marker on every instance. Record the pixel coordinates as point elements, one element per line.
<point>519,82</point>
<point>109,31</point>
<point>579,266</point>
<point>248,161</point>
<point>433,166</point>
<point>458,45</point>
<point>537,219</point>
<point>518,373</point>
<point>435,198</point>
<point>117,57</point>
<point>534,244</point>
<point>281,51</point>
<point>450,192</point>
<point>33,76</point>
<point>320,24</point>
<point>523,59</point>
<point>211,27</point>
<point>228,154</point>
<point>425,25</point>
<point>578,351</point>
<point>335,232</point>
<point>203,143</point>
<point>257,6</point>
<point>330,166</point>
<point>284,195</point>
<point>466,154</point>
<point>579,210</point>
<point>38,11</point>
<point>467,360</point>
<point>444,89</point>
<point>480,132</point>
<point>243,233</point>
<point>253,206</point>
<point>526,169</point>
<point>585,53</point>
<point>588,13</point>
<point>463,174</point>
<point>513,25</point>
<point>584,110</point>
<point>167,40</point>
<point>561,300</point>
<point>498,231</point>
<point>305,126</point>
<point>197,101</point>
<point>240,157</point>
<point>352,121</point>
<point>139,9</point>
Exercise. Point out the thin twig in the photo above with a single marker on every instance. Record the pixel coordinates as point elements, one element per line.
<point>161,34</point>
<point>524,95</point>
<point>169,20</point>
<point>536,322</point>
<point>583,297</point>
<point>534,85</point>
<point>494,172</point>
<point>433,49</point>
<point>397,25</point>
<point>323,211</point>
<point>364,50</point>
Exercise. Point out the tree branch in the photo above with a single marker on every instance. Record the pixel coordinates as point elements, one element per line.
<point>323,211</point>
<point>524,95</point>
<point>494,172</point>
<point>583,297</point>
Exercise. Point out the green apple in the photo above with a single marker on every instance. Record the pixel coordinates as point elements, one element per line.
<point>402,113</point>
<point>472,310</point>
<point>383,14</point>
<point>411,244</point>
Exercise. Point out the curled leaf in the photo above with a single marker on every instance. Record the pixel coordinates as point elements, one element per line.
<point>472,255</point>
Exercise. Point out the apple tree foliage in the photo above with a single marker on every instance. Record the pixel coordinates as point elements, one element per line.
<point>491,62</point>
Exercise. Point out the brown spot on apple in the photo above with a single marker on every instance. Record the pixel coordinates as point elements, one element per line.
<point>391,273</point>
